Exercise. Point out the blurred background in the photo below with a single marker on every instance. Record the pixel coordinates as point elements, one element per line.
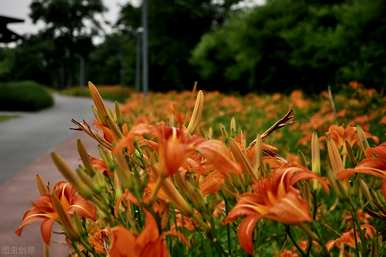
<point>227,45</point>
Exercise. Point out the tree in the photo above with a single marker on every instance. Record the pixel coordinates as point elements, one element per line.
<point>113,61</point>
<point>288,44</point>
<point>70,24</point>
<point>175,28</point>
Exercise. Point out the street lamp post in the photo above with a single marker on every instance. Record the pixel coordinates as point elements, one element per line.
<point>138,35</point>
<point>145,63</point>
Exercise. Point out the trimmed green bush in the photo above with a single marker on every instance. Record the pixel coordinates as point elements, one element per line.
<point>24,96</point>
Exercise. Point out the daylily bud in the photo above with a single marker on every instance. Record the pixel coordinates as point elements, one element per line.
<point>241,158</point>
<point>41,185</point>
<point>117,186</point>
<point>334,156</point>
<point>336,164</point>
<point>223,130</point>
<point>350,153</point>
<point>232,125</point>
<point>64,219</point>
<point>315,153</point>
<point>84,157</point>
<point>176,197</point>
<point>194,195</point>
<point>366,191</point>
<point>105,155</point>
<point>75,220</point>
<point>99,181</point>
<point>98,101</point>
<point>257,168</point>
<point>362,140</point>
<point>102,111</point>
<point>315,157</point>
<point>379,200</point>
<point>197,112</point>
<point>123,171</point>
<point>307,193</point>
<point>87,180</point>
<point>210,133</point>
<point>71,176</point>
<point>334,183</point>
<point>118,113</point>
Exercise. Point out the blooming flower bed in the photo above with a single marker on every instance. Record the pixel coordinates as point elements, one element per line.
<point>185,174</point>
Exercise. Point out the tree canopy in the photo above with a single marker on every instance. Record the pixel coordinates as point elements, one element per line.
<point>278,46</point>
<point>287,43</point>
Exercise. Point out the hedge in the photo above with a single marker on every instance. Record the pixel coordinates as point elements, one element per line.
<point>24,96</point>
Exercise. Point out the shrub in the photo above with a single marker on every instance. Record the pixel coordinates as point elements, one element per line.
<point>24,96</point>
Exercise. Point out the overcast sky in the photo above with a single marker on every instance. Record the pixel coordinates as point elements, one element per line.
<point>20,9</point>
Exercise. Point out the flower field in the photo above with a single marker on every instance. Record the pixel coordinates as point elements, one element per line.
<point>208,174</point>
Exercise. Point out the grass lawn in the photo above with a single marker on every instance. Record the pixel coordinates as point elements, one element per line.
<point>6,117</point>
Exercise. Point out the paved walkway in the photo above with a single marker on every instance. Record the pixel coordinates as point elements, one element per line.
<point>17,194</point>
<point>25,144</point>
<point>27,137</point>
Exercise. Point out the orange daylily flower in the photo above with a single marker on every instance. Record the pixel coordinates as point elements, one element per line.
<point>341,135</point>
<point>219,156</point>
<point>136,132</point>
<point>108,134</point>
<point>173,153</point>
<point>288,253</point>
<point>100,165</point>
<point>293,252</point>
<point>383,120</point>
<point>98,238</point>
<point>212,183</point>
<point>274,197</point>
<point>374,164</point>
<point>43,209</point>
<point>148,243</point>
<point>349,134</point>
<point>219,164</point>
<point>348,239</point>
<point>298,100</point>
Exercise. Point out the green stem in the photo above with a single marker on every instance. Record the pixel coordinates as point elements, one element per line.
<point>76,248</point>
<point>309,246</point>
<point>156,189</point>
<point>355,226</point>
<point>300,250</point>
<point>356,241</point>
<point>313,236</point>
<point>228,226</point>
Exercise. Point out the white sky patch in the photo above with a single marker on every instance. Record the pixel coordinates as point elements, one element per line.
<point>20,9</point>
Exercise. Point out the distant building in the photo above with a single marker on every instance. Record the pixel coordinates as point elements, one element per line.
<point>7,35</point>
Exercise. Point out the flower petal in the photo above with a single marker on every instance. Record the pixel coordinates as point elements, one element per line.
<point>122,243</point>
<point>245,232</point>
<point>45,229</point>
<point>149,233</point>
<point>291,209</point>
